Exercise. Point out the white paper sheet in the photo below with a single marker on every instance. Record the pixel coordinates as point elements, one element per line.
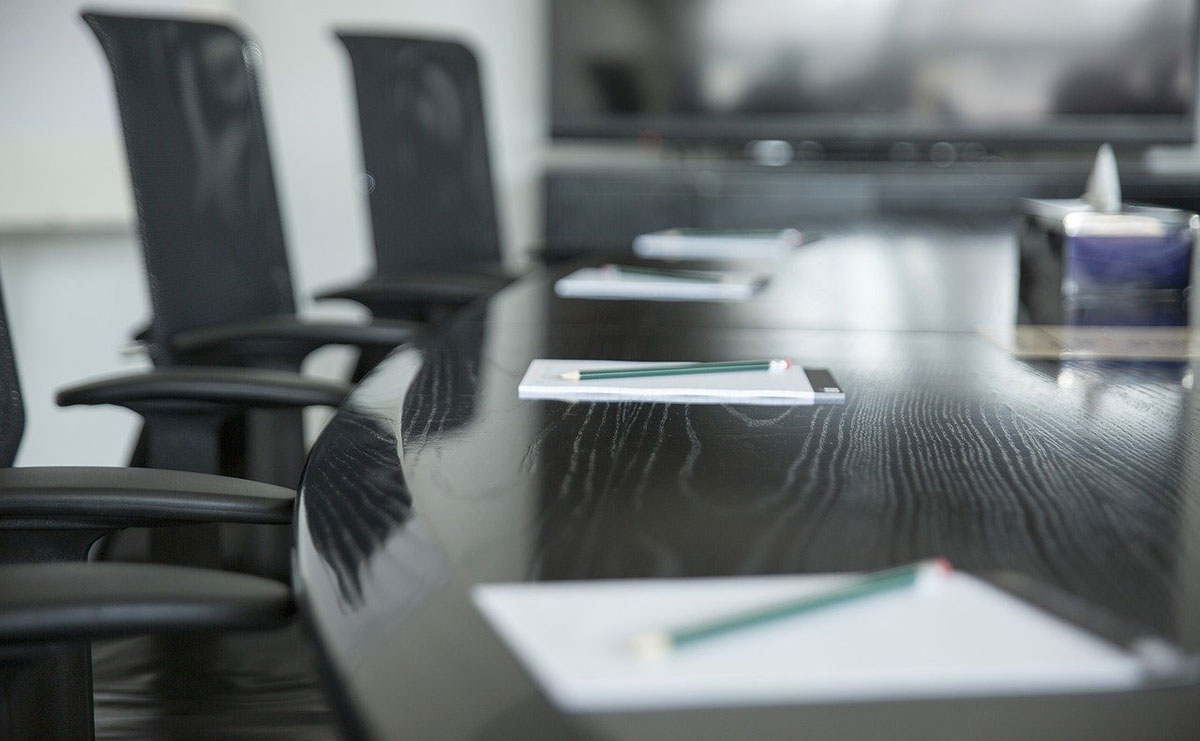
<point>965,637</point>
<point>685,244</point>
<point>790,386</point>
<point>605,283</point>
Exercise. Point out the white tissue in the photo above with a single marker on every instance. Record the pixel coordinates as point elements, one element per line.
<point>1104,184</point>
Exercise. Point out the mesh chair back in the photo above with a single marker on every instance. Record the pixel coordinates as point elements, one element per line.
<point>12,413</point>
<point>420,110</point>
<point>212,240</point>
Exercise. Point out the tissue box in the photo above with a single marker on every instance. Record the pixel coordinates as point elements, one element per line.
<point>1083,267</point>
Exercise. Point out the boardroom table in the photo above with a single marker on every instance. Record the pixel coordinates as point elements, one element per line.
<point>434,477</point>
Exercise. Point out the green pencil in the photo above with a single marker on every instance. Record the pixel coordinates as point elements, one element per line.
<point>689,275</point>
<point>658,643</point>
<point>683,369</point>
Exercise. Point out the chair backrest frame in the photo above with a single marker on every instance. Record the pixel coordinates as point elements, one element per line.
<point>12,410</point>
<point>425,151</point>
<point>196,143</point>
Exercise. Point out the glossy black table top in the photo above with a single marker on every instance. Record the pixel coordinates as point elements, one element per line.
<point>434,477</point>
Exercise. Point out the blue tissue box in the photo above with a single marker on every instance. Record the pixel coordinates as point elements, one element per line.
<point>1077,263</point>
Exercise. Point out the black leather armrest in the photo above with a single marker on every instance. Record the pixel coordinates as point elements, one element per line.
<point>285,340</point>
<point>489,268</point>
<point>492,271</point>
<point>178,387</point>
<point>455,290</point>
<point>79,497</point>
<point>80,601</point>
<point>555,254</point>
<point>447,286</point>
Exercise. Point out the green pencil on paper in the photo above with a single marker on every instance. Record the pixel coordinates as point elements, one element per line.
<point>657,643</point>
<point>688,275</point>
<point>682,369</point>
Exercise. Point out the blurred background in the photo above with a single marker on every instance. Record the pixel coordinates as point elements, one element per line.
<point>606,119</point>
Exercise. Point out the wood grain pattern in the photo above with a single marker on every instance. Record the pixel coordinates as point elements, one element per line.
<point>944,447</point>
<point>435,477</point>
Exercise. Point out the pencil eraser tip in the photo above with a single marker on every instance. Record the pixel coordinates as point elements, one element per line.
<point>933,574</point>
<point>650,646</point>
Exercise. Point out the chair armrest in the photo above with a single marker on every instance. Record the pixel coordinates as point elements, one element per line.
<point>489,268</point>
<point>553,255</point>
<point>285,341</point>
<point>456,285</point>
<point>176,388</point>
<point>111,498</point>
<point>380,293</point>
<point>491,271</point>
<point>82,601</point>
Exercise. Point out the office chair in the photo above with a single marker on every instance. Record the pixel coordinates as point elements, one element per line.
<point>49,613</point>
<point>425,152</point>
<point>212,240</point>
<point>52,604</point>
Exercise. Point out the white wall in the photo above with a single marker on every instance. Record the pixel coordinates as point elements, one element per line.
<point>72,274</point>
<point>71,270</point>
<point>63,162</point>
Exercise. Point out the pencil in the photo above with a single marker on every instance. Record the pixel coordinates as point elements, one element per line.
<point>658,643</point>
<point>682,369</point>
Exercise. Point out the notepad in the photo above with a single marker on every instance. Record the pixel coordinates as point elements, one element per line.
<point>793,386</point>
<point>963,638</point>
<point>608,283</point>
<point>707,244</point>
